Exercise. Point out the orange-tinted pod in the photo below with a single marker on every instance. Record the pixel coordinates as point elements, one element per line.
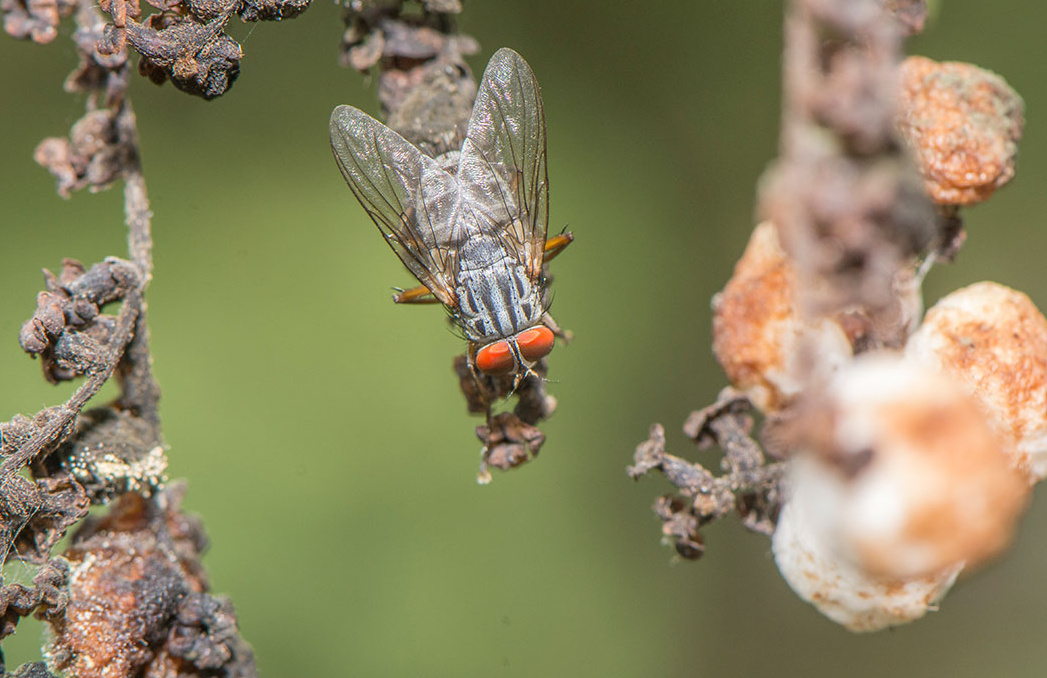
<point>496,358</point>
<point>536,342</point>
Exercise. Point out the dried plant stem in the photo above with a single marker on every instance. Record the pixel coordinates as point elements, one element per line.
<point>136,200</point>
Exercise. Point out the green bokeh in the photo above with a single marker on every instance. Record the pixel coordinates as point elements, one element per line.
<point>320,426</point>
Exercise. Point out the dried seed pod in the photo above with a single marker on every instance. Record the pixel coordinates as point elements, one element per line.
<point>900,472</point>
<point>993,340</point>
<point>842,591</point>
<point>198,58</point>
<point>963,124</point>
<point>758,329</point>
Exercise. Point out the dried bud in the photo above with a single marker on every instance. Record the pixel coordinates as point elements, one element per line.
<point>198,58</point>
<point>900,473</point>
<point>962,123</point>
<point>680,526</point>
<point>96,70</point>
<point>507,443</point>
<point>841,591</point>
<point>758,329</point>
<point>47,323</point>
<point>993,340</point>
<point>35,19</point>
<point>46,599</point>
<point>92,156</point>
<point>272,10</point>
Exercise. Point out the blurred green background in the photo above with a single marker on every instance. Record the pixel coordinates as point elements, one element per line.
<point>320,426</point>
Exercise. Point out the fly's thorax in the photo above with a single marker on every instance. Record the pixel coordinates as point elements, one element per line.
<point>496,298</point>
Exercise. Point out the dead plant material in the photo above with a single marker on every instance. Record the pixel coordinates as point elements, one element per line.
<point>509,439</point>
<point>30,670</point>
<point>185,42</point>
<point>129,596</point>
<point>35,515</point>
<point>747,484</point>
<point>90,157</point>
<point>425,86</point>
<point>508,442</point>
<point>851,216</point>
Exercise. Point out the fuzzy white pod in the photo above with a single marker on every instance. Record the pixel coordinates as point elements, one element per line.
<point>902,475</point>
<point>838,588</point>
<point>993,341</point>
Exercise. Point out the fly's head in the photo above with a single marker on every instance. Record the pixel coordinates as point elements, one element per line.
<point>514,355</point>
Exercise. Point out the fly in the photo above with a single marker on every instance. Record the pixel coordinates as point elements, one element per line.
<point>470,225</point>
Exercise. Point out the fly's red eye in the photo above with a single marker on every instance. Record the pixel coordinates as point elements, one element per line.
<point>496,358</point>
<point>536,342</point>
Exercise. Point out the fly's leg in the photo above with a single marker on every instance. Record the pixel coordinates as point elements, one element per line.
<point>415,295</point>
<point>557,244</point>
<point>553,247</point>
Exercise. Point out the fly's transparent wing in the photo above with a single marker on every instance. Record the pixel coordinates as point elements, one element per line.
<point>502,171</point>
<point>414,203</point>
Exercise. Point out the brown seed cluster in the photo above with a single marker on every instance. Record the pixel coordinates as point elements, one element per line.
<point>963,124</point>
<point>137,599</point>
